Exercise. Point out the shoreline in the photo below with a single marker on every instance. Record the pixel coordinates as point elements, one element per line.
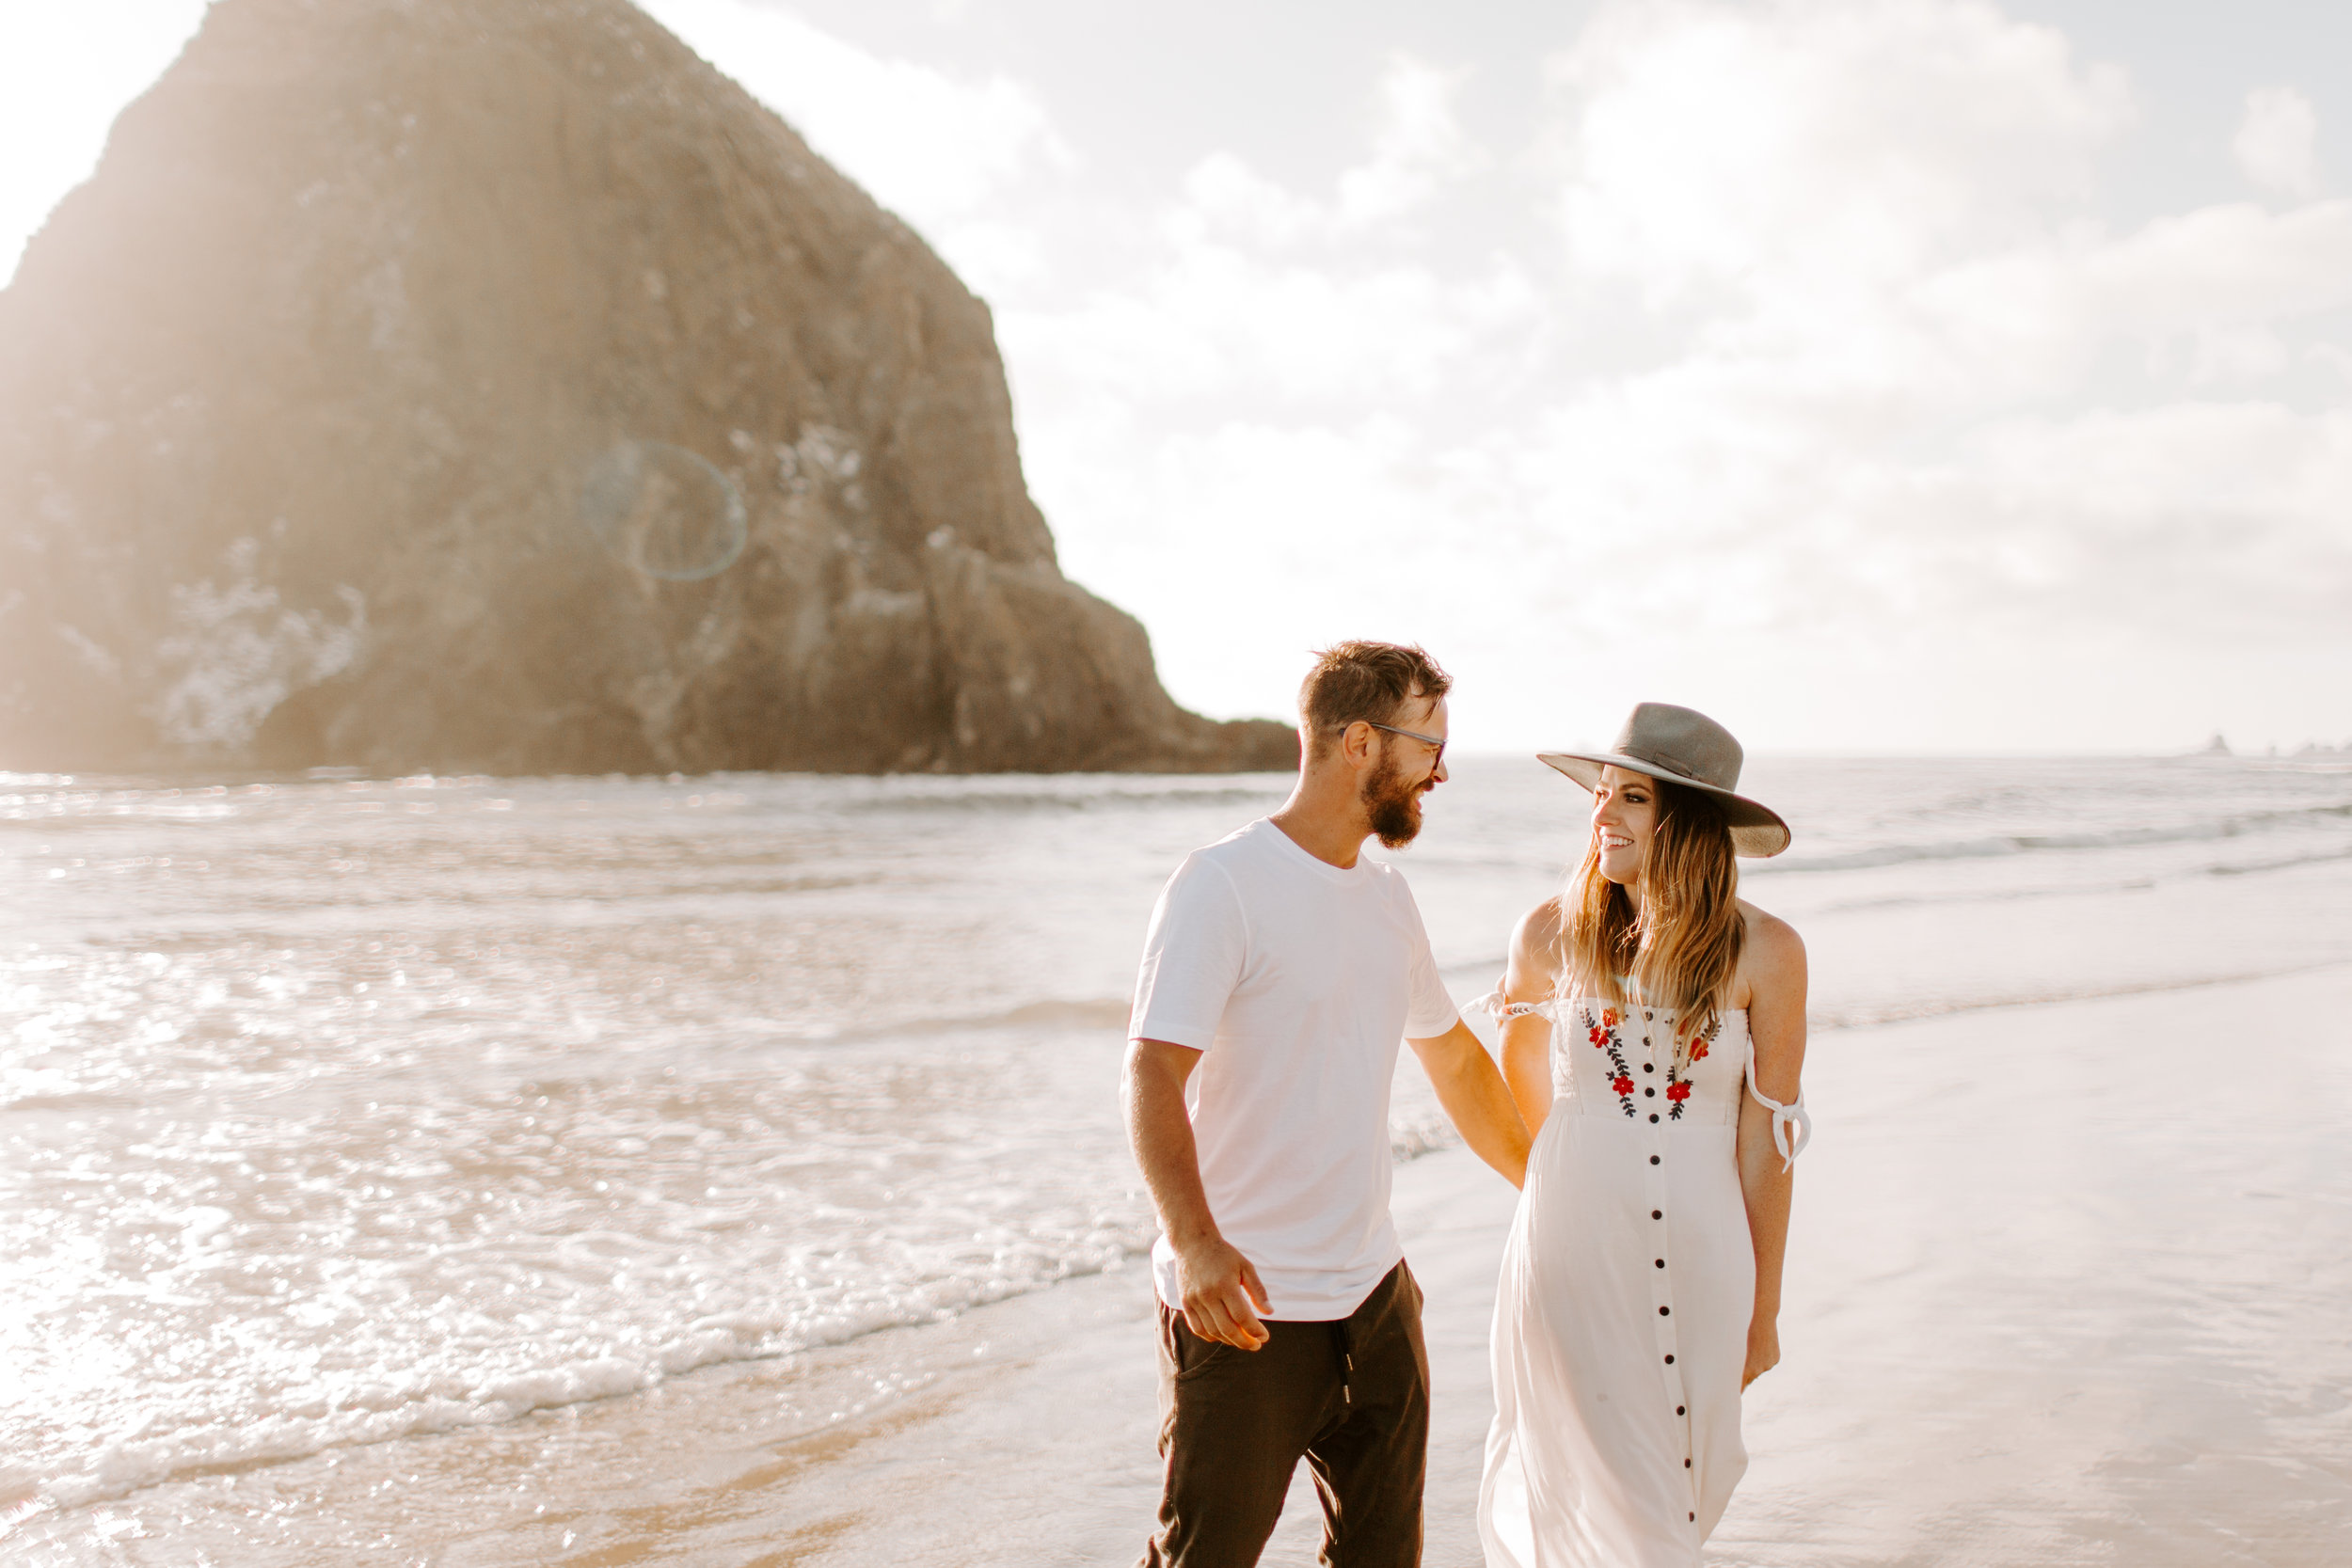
<point>2064,1288</point>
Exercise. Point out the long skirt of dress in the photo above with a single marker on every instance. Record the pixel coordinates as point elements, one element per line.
<point>1621,1319</point>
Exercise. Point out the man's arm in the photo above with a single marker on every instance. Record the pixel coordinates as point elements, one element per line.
<point>1476,1099</point>
<point>1217,1284</point>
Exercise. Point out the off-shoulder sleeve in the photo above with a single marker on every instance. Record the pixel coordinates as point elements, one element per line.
<point>1792,1127</point>
<point>1502,1012</point>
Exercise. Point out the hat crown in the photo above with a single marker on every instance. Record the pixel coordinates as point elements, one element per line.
<point>1682,742</point>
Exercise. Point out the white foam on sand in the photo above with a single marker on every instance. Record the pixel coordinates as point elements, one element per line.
<point>2065,1287</point>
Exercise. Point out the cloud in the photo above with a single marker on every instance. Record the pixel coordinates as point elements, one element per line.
<point>1418,150</point>
<point>940,150</point>
<point>1220,324</point>
<point>1832,369</point>
<point>1756,148</point>
<point>2277,142</point>
<point>1869,230</point>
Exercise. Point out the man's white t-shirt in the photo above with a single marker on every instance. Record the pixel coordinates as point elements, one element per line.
<point>1298,980</point>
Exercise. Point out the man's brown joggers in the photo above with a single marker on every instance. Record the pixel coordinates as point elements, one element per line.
<point>1350,1396</point>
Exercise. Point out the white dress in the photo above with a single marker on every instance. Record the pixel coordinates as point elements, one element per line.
<point>1621,1319</point>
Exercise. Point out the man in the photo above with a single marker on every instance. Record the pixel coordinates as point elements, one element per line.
<point>1281,970</point>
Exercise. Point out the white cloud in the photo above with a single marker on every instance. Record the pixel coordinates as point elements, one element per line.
<point>1224,196</point>
<point>1838,373</point>
<point>2277,142</point>
<point>1218,323</point>
<point>1837,143</point>
<point>938,150</point>
<point>1418,150</point>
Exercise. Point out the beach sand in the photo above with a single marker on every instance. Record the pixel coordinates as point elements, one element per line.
<point>2066,1286</point>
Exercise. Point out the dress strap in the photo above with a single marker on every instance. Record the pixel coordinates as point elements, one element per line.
<point>1792,1128</point>
<point>1505,1010</point>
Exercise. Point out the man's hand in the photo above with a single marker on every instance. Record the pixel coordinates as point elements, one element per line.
<point>1222,1293</point>
<point>1223,1296</point>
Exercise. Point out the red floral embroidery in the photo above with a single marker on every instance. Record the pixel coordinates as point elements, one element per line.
<point>1678,1087</point>
<point>1604,1037</point>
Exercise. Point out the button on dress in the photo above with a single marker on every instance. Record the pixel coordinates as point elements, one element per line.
<point>1621,1319</point>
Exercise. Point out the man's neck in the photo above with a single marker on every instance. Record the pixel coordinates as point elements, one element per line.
<point>1326,825</point>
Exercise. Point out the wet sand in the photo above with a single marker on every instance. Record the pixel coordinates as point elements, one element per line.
<point>2066,1287</point>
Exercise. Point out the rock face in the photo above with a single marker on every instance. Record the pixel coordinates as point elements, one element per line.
<point>492,384</point>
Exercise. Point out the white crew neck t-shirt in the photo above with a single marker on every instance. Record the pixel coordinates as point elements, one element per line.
<point>1298,980</point>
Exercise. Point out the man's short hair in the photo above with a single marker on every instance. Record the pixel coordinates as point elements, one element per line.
<point>1371,681</point>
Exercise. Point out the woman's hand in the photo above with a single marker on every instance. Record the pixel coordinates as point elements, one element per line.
<point>1763,1348</point>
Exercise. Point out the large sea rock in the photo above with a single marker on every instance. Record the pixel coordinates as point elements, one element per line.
<point>493,385</point>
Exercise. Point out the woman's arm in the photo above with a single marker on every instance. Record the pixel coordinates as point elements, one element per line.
<point>1532,974</point>
<point>1777,974</point>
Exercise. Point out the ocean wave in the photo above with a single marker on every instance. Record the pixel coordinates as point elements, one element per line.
<point>362,1414</point>
<point>1868,1016</point>
<point>2083,890</point>
<point>2005,845</point>
<point>1107,1012</point>
<point>1096,794</point>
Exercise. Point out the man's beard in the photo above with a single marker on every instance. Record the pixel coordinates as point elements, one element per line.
<point>1393,806</point>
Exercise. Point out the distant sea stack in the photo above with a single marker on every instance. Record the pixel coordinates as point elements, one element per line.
<point>491,385</point>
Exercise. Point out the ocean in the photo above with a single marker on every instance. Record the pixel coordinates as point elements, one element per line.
<point>343,1112</point>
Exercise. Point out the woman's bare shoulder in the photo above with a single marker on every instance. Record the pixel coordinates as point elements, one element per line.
<point>1773,945</point>
<point>1545,916</point>
<point>1535,940</point>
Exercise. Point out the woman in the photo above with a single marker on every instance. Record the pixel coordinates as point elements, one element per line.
<point>1641,1284</point>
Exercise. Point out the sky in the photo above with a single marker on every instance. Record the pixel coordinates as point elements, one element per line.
<point>1875,375</point>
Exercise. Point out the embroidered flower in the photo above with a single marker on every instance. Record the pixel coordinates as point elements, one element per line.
<point>1677,1091</point>
<point>1620,1079</point>
<point>1698,1048</point>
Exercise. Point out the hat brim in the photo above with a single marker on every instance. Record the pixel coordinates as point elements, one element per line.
<point>1757,831</point>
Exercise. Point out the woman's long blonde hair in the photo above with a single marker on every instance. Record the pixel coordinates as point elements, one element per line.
<point>1683,948</point>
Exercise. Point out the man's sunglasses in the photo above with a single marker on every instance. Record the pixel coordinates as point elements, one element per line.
<point>1436,759</point>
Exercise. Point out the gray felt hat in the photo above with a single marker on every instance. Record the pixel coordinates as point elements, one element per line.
<point>1683,747</point>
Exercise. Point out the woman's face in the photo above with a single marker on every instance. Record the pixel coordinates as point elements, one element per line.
<point>1624,814</point>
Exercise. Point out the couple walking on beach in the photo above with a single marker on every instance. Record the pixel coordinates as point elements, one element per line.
<point>1647,1105</point>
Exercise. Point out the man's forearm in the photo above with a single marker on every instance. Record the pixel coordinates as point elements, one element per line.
<point>1478,1103</point>
<point>1160,1133</point>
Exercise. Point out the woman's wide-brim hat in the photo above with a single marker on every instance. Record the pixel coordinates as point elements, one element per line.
<point>1687,747</point>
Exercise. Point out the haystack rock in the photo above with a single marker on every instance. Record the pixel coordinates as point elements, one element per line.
<point>492,384</point>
